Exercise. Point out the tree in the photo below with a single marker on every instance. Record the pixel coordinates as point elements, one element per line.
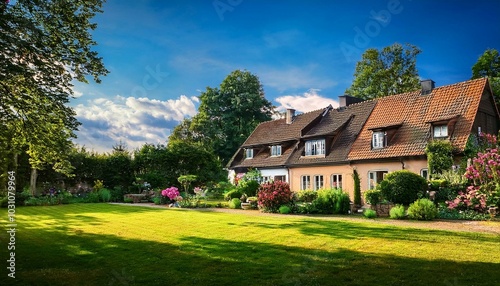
<point>488,65</point>
<point>391,70</point>
<point>228,114</point>
<point>44,46</point>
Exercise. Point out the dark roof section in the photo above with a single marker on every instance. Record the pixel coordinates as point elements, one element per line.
<point>339,127</point>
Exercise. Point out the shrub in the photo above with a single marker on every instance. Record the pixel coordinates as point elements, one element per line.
<point>285,210</point>
<point>373,197</point>
<point>403,187</point>
<point>128,200</point>
<point>235,204</point>
<point>306,196</point>
<point>105,195</point>
<point>233,194</point>
<point>4,202</point>
<point>397,212</point>
<point>446,213</point>
<point>332,201</point>
<point>272,195</point>
<point>369,213</point>
<point>65,198</point>
<point>93,197</point>
<point>439,156</point>
<point>357,188</point>
<point>422,209</point>
<point>248,187</point>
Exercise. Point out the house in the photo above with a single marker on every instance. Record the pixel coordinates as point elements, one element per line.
<point>321,149</point>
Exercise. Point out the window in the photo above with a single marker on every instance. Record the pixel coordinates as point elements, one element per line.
<point>315,147</point>
<point>276,150</point>
<point>424,173</point>
<point>318,182</point>
<point>440,131</point>
<point>280,178</point>
<point>378,140</point>
<point>375,177</point>
<point>248,153</point>
<point>305,182</point>
<point>336,181</point>
<point>265,179</point>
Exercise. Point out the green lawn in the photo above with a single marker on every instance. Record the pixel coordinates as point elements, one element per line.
<point>102,244</point>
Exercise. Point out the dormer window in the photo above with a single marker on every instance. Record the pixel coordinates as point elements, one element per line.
<point>379,140</point>
<point>276,150</point>
<point>440,131</point>
<point>248,153</point>
<point>315,147</point>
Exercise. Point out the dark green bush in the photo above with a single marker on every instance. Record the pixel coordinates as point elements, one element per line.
<point>439,156</point>
<point>235,204</point>
<point>332,201</point>
<point>422,209</point>
<point>306,196</point>
<point>117,194</point>
<point>285,210</point>
<point>369,213</point>
<point>373,197</point>
<point>397,212</point>
<point>248,187</point>
<point>4,202</point>
<point>104,195</point>
<point>92,197</point>
<point>403,187</point>
<point>357,187</point>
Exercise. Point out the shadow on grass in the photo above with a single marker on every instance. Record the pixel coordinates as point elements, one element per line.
<point>53,258</point>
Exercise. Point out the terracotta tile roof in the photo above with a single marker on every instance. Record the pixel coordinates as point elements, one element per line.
<point>342,126</point>
<point>411,113</point>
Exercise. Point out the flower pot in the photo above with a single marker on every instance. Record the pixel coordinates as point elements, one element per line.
<point>246,206</point>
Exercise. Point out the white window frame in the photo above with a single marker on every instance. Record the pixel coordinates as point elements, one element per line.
<point>305,182</point>
<point>426,171</point>
<point>276,150</point>
<point>372,178</point>
<point>248,153</point>
<point>336,181</point>
<point>315,147</point>
<point>379,140</point>
<point>318,182</point>
<point>440,131</point>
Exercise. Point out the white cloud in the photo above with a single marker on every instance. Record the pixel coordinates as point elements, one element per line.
<point>305,102</point>
<point>133,121</point>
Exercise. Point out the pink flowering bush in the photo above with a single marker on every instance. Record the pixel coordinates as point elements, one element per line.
<point>484,175</point>
<point>272,195</point>
<point>172,193</point>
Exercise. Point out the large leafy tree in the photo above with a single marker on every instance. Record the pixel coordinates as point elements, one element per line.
<point>44,46</point>
<point>228,114</point>
<point>488,65</point>
<point>391,70</point>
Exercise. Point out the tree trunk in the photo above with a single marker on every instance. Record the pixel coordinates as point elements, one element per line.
<point>34,175</point>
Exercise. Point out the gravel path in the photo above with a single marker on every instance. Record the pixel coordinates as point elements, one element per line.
<point>492,227</point>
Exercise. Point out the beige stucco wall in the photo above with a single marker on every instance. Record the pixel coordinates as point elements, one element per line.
<point>295,174</point>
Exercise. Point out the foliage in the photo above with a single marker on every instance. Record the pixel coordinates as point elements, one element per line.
<point>92,197</point>
<point>422,209</point>
<point>332,201</point>
<point>186,181</point>
<point>235,203</point>
<point>369,213</point>
<point>402,187</point>
<point>397,212</point>
<point>248,187</point>
<point>98,185</point>
<point>391,70</point>
<point>306,196</point>
<point>272,195</point>
<point>471,199</point>
<point>439,156</point>
<point>446,213</point>
<point>357,187</point>
<point>234,193</point>
<point>488,65</point>
<point>444,190</point>
<point>227,115</point>
<point>46,45</point>
<point>105,195</point>
<point>285,210</point>
<point>128,200</point>
<point>373,197</point>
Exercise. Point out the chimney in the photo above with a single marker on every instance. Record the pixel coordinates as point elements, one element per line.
<point>427,86</point>
<point>290,113</point>
<point>346,100</point>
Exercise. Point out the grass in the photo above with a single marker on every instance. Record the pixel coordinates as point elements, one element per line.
<point>102,244</point>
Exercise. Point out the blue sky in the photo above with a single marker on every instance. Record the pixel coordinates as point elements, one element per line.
<point>163,54</point>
